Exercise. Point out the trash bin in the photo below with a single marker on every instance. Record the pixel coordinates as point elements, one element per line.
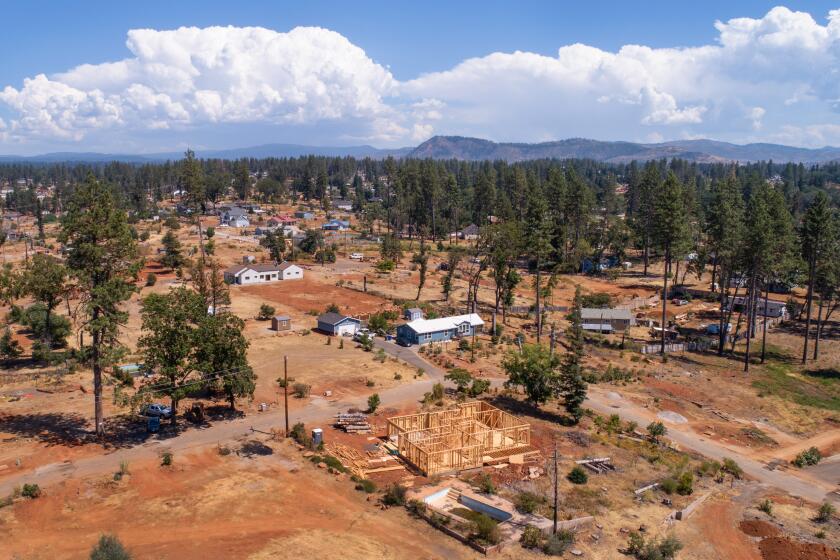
<point>317,437</point>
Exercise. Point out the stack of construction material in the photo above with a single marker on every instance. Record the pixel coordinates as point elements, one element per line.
<point>598,465</point>
<point>352,423</point>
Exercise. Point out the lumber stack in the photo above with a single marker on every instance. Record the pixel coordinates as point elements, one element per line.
<point>353,423</point>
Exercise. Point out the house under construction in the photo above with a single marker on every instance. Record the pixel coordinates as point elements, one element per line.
<point>464,437</point>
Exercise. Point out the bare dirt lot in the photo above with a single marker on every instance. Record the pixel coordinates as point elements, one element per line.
<point>272,505</point>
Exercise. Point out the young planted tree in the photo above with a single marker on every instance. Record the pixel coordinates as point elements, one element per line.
<point>570,383</point>
<point>103,261</point>
<point>670,233</point>
<point>45,279</point>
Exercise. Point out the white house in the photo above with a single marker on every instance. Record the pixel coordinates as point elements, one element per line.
<point>252,274</point>
<point>289,271</point>
<point>239,222</point>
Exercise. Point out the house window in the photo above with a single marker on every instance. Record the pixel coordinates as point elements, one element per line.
<point>463,327</point>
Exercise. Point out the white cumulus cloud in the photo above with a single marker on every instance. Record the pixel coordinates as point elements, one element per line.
<point>770,78</point>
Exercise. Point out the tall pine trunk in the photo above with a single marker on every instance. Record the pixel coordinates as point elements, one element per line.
<point>764,324</point>
<point>665,297</point>
<point>819,330</point>
<point>812,265</point>
<point>750,322</point>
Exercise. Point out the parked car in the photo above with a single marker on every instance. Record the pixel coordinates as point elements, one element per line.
<point>156,410</point>
<point>680,302</point>
<point>357,256</point>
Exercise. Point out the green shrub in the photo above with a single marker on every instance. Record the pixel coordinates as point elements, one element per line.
<point>31,491</point>
<point>109,547</point>
<point>166,459</point>
<point>151,279</point>
<point>394,495</point>
<point>366,485</point>
<point>373,402</point>
<point>300,435</point>
<point>528,502</point>
<point>531,537</point>
<point>485,483</point>
<point>668,485</point>
<point>731,467</point>
<point>656,430</point>
<point>486,529</point>
<point>416,507</point>
<point>332,462</point>
<point>266,312</point>
<point>559,542</point>
<point>577,476</point>
<point>685,484</point>
<point>826,512</point>
<point>766,506</point>
<point>810,456</point>
<point>642,549</point>
<point>301,390</point>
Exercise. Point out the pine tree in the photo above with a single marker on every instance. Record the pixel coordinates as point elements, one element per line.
<point>9,347</point>
<point>725,219</point>
<point>104,263</point>
<point>172,257</point>
<point>670,233</point>
<point>421,259</point>
<point>571,386</point>
<point>221,356</point>
<point>45,279</point>
<point>815,234</point>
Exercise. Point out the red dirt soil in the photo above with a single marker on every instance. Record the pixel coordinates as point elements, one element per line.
<point>758,528</point>
<point>781,548</point>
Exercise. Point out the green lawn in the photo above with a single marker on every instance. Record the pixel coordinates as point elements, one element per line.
<point>814,388</point>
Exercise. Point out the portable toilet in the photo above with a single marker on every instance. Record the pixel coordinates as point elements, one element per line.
<point>317,437</point>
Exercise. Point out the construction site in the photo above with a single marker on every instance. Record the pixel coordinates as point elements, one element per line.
<point>465,437</point>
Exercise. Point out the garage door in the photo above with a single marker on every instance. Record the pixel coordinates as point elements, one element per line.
<point>347,329</point>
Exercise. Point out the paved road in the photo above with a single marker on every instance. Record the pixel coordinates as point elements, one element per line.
<point>321,411</point>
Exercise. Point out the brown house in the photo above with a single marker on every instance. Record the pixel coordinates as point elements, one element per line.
<point>281,323</point>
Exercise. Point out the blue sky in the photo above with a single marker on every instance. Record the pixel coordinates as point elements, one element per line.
<point>392,74</point>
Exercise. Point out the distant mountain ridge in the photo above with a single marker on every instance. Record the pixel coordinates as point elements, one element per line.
<point>472,149</point>
<point>702,151</point>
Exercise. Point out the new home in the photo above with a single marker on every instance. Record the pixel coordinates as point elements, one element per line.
<point>337,324</point>
<point>290,271</point>
<point>252,274</point>
<point>424,331</point>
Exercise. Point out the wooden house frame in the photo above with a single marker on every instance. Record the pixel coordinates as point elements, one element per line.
<point>459,438</point>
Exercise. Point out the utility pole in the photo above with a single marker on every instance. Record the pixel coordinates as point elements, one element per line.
<point>556,490</point>
<point>286,391</point>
